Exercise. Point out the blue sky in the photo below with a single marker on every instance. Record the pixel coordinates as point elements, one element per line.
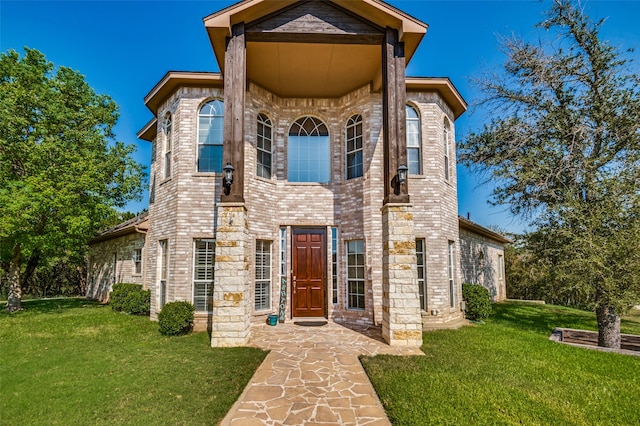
<point>124,47</point>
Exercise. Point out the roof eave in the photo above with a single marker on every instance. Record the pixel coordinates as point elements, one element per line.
<point>444,86</point>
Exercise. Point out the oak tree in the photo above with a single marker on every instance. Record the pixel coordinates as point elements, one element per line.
<point>563,149</point>
<point>62,173</point>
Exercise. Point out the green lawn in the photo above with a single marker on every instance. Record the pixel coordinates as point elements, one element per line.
<point>508,372</point>
<point>74,362</point>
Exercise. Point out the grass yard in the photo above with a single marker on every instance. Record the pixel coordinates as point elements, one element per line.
<point>508,372</point>
<point>75,362</point>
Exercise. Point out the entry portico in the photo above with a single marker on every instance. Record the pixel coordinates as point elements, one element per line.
<point>310,178</point>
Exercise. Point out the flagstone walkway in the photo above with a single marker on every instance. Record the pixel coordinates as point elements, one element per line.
<point>312,376</point>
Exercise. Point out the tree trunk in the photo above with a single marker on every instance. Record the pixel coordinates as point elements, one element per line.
<point>608,327</point>
<point>32,264</point>
<point>14,302</point>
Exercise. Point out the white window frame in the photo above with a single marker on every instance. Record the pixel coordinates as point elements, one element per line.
<point>262,284</point>
<point>421,261</point>
<point>212,105</point>
<point>410,119</point>
<point>264,136</point>
<point>163,272</point>
<point>334,265</point>
<point>168,145</point>
<point>451,272</point>
<point>500,267</point>
<point>447,150</point>
<point>356,276</point>
<point>354,136</point>
<point>305,133</point>
<point>204,282</point>
<point>136,258</point>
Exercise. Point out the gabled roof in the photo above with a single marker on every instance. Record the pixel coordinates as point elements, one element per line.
<point>138,224</point>
<point>219,24</point>
<point>481,230</point>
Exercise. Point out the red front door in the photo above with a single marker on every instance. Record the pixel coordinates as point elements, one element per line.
<point>309,269</point>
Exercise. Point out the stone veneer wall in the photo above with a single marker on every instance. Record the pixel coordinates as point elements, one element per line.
<point>483,269</point>
<point>103,273</point>
<point>183,208</point>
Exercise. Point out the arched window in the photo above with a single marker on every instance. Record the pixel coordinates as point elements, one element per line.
<point>447,148</point>
<point>210,136</point>
<point>168,145</point>
<point>354,139</point>
<point>264,146</point>
<point>414,141</point>
<point>309,157</point>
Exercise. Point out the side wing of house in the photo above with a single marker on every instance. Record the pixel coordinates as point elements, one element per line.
<point>482,258</point>
<point>116,256</point>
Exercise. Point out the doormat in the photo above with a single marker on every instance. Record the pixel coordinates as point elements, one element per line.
<point>311,323</point>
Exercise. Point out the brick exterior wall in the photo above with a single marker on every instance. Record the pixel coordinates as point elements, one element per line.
<point>112,262</point>
<point>184,205</point>
<point>480,265</point>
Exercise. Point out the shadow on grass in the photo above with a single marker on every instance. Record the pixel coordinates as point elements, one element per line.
<point>528,317</point>
<point>53,306</point>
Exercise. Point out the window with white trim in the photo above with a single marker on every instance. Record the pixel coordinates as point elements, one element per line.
<point>263,275</point>
<point>168,145</point>
<point>210,136</point>
<point>451,273</point>
<point>422,272</point>
<point>447,149</point>
<point>500,267</point>
<point>164,271</point>
<point>334,265</point>
<point>309,151</point>
<point>414,141</point>
<point>136,257</point>
<point>355,274</point>
<point>204,260</point>
<point>264,146</point>
<point>354,145</point>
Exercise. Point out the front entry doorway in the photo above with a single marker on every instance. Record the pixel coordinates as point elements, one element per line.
<point>308,273</point>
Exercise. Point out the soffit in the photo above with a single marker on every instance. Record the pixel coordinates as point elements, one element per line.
<point>330,49</point>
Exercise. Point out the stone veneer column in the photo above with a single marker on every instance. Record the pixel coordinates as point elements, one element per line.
<point>401,319</point>
<point>231,296</point>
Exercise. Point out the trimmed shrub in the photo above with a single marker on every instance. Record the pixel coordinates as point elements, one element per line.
<point>176,318</point>
<point>138,302</point>
<point>477,300</point>
<point>130,298</point>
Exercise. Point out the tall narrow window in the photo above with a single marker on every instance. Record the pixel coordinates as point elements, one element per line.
<point>136,257</point>
<point>264,146</point>
<point>354,139</point>
<point>447,148</point>
<point>500,267</point>
<point>355,274</point>
<point>168,145</point>
<point>422,273</point>
<point>334,265</point>
<point>210,136</point>
<point>309,151</point>
<point>204,256</point>
<point>414,141</point>
<point>164,271</point>
<point>452,289</point>
<point>263,275</point>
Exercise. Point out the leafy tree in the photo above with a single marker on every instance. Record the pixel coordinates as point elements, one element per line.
<point>564,149</point>
<point>62,175</point>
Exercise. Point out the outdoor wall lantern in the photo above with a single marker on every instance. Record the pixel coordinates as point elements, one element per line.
<point>228,176</point>
<point>402,173</point>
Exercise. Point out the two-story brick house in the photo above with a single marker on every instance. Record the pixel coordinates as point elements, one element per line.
<point>310,178</point>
